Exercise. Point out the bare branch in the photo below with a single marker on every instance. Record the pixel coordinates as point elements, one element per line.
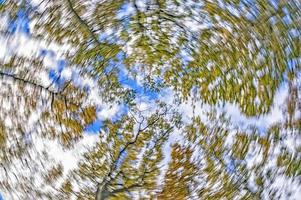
<point>36,85</point>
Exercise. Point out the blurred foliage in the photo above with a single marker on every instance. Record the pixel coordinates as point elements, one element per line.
<point>208,53</point>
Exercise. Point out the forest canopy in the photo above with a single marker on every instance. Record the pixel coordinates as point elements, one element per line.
<point>150,99</point>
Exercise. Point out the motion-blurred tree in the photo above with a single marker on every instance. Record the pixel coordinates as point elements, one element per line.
<point>207,52</point>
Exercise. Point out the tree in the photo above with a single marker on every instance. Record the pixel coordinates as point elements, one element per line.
<point>124,161</point>
<point>90,56</point>
<point>180,176</point>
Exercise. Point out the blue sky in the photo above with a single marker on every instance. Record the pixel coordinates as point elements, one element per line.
<point>21,25</point>
<point>124,79</point>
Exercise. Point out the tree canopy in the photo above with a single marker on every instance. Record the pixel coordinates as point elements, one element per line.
<point>150,99</point>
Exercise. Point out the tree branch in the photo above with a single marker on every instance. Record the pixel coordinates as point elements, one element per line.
<point>83,23</point>
<point>36,85</point>
<point>102,192</point>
